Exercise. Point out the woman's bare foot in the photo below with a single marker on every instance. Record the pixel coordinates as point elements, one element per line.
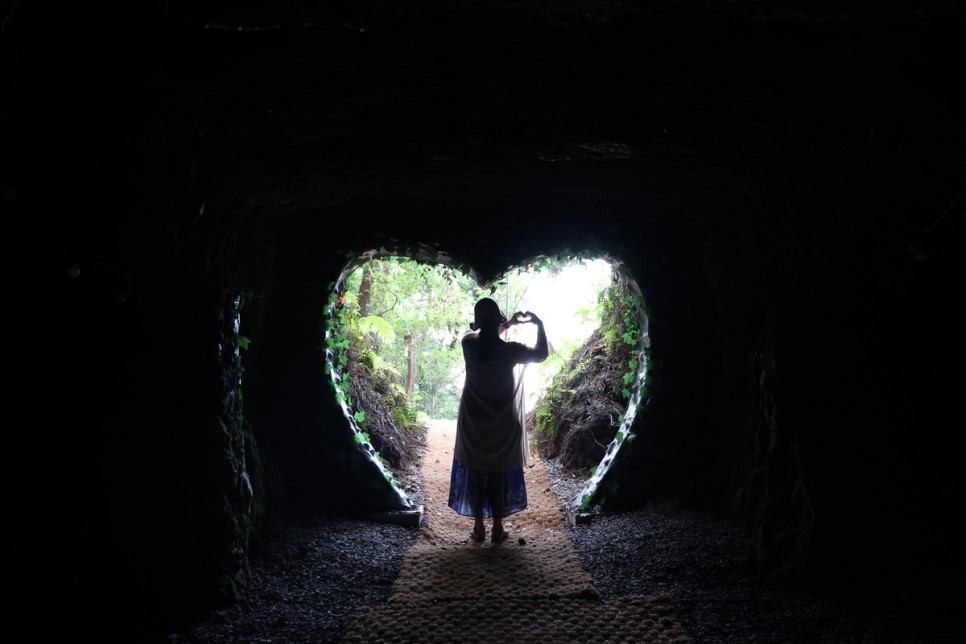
<point>479,531</point>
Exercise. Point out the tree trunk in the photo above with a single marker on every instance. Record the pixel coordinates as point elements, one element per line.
<point>410,368</point>
<point>365,290</point>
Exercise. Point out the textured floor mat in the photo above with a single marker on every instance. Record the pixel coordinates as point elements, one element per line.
<point>529,588</point>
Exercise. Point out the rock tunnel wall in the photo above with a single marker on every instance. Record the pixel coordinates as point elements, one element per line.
<point>785,186</point>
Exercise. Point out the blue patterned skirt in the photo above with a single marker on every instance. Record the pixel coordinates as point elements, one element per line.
<point>475,493</point>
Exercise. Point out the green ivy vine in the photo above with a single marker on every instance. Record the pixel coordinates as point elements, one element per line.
<point>337,340</point>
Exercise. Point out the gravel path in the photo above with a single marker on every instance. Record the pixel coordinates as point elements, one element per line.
<point>318,571</point>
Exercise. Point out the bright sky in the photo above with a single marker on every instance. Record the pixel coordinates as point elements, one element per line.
<point>557,299</point>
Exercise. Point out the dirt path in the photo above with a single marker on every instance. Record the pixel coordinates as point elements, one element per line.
<point>542,523</point>
<point>532,587</point>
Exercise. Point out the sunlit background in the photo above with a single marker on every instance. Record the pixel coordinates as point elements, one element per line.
<point>567,304</point>
<point>408,318</point>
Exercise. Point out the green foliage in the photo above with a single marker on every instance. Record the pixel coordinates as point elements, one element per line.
<point>403,412</point>
<point>545,422</point>
<point>416,314</point>
<point>405,415</point>
<point>378,327</point>
<point>426,309</point>
<point>344,337</point>
<point>622,315</point>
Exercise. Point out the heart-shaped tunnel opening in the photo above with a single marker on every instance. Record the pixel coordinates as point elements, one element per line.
<point>661,434</point>
<point>393,354</point>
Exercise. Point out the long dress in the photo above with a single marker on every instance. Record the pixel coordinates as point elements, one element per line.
<point>491,443</point>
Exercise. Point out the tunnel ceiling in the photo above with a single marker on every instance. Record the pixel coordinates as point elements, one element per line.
<point>258,107</point>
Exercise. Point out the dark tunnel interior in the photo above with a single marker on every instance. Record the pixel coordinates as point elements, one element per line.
<point>784,183</point>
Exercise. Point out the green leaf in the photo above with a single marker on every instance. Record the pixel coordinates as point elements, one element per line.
<point>360,416</point>
<point>378,327</point>
<point>243,342</point>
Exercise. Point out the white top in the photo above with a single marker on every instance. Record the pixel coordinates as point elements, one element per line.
<point>490,430</point>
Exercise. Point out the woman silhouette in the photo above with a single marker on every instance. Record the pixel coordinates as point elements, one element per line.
<point>491,443</point>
